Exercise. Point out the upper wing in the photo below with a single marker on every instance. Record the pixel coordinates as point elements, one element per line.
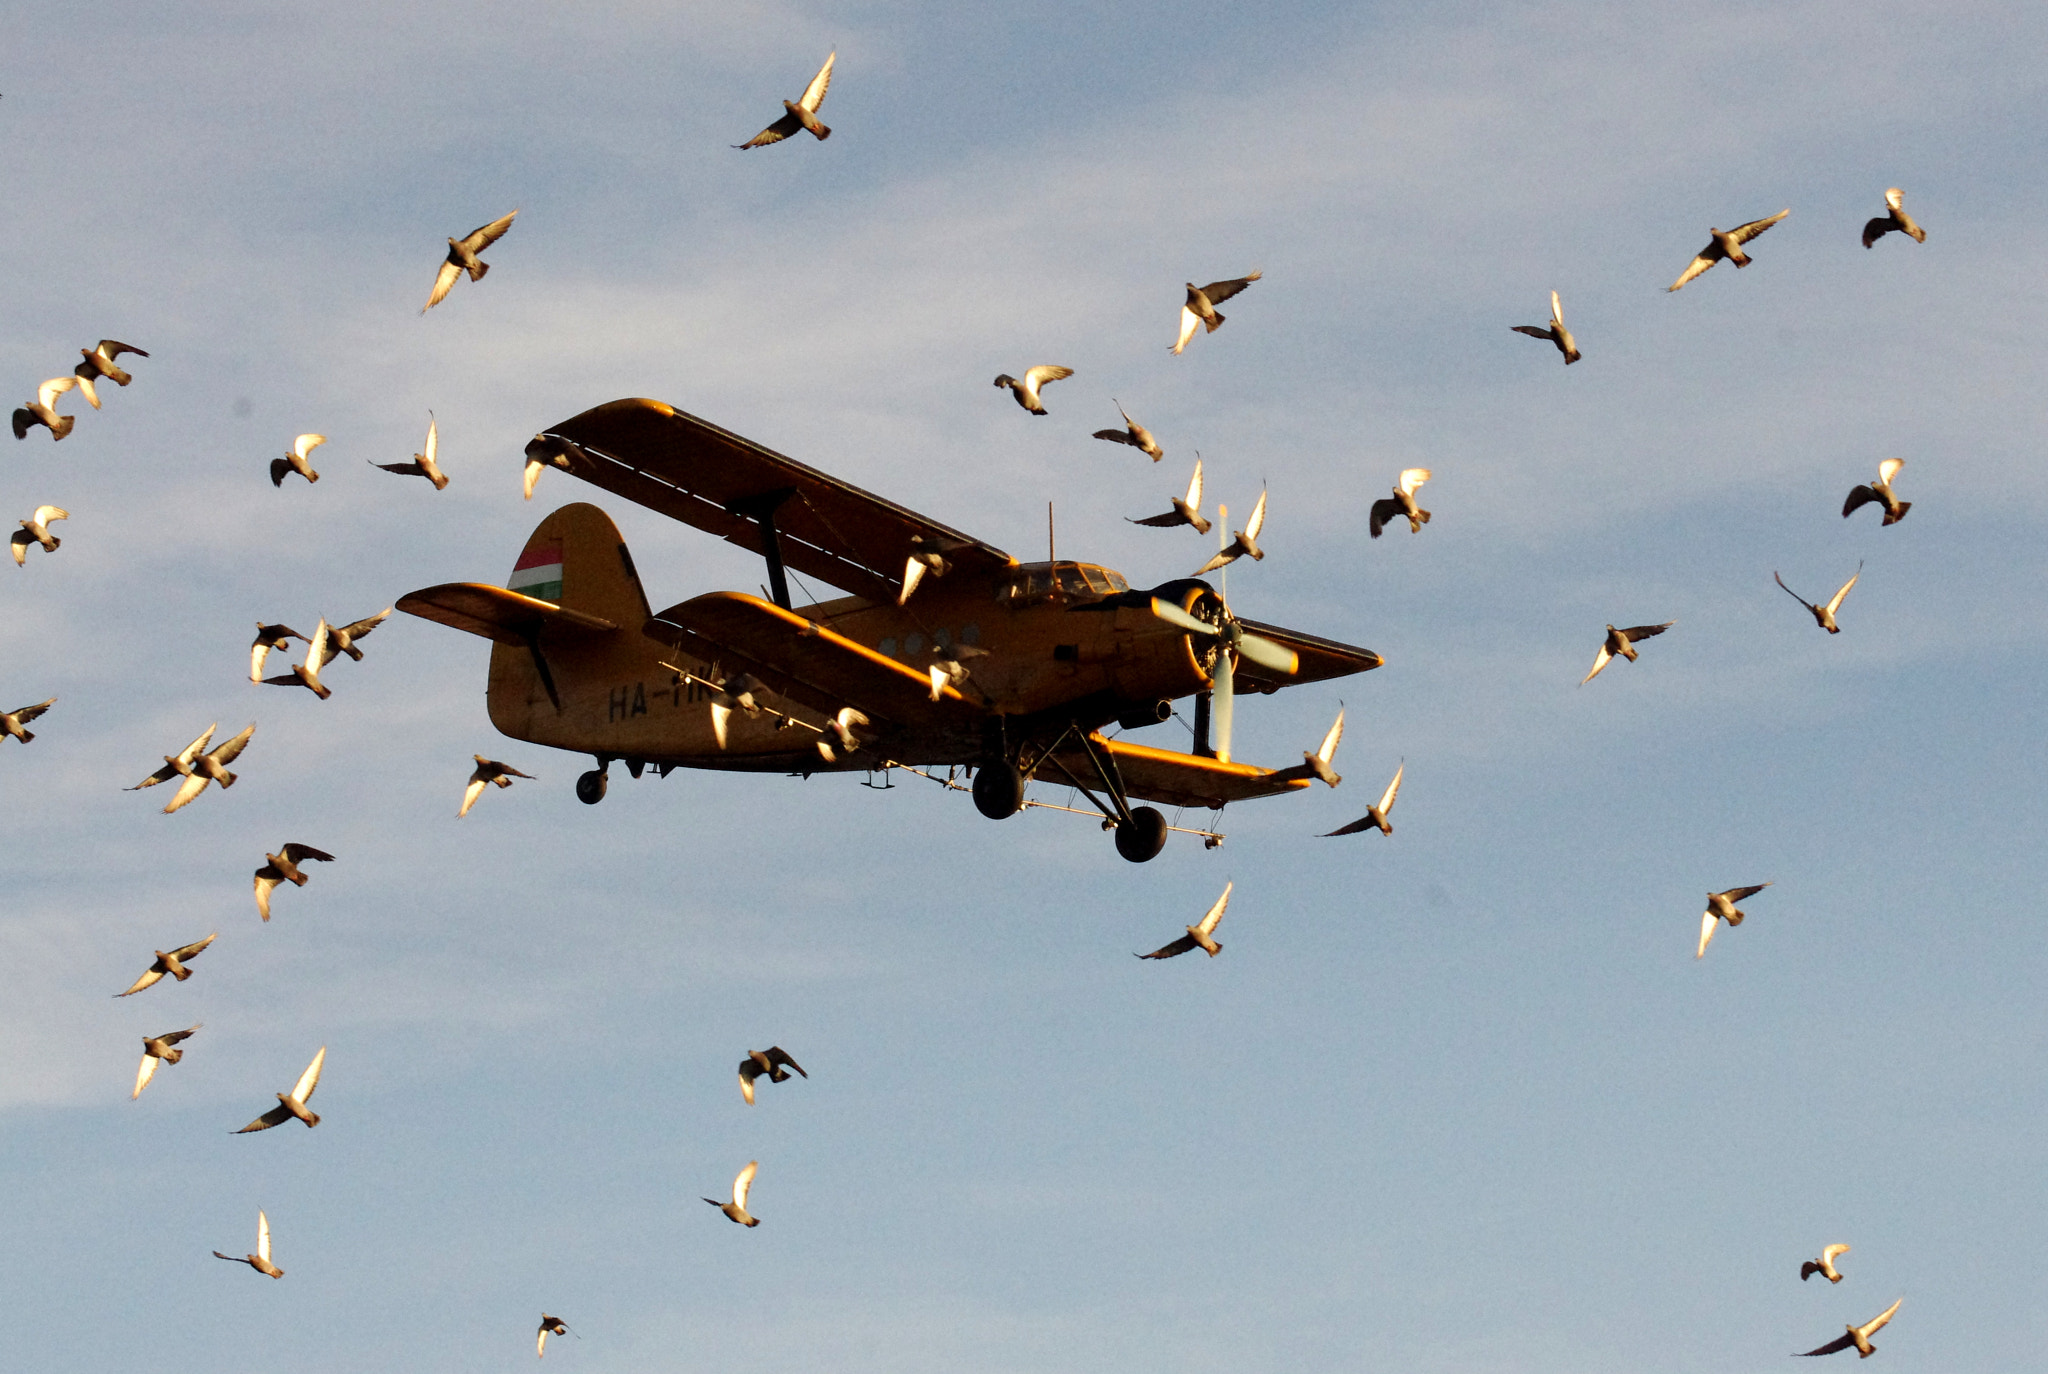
<point>1708,923</point>
<point>364,626</point>
<point>299,853</point>
<point>1876,1323</point>
<point>1829,1253</point>
<point>744,1184</point>
<point>705,476</point>
<point>480,239</point>
<point>1168,951</point>
<point>193,785</point>
<point>433,437</point>
<point>814,94</point>
<point>1532,331</point>
<point>310,1079</point>
<point>1556,310</point>
<point>1737,894</point>
<point>1859,497</point>
<point>1600,660</point>
<point>1743,233</point>
<point>1383,510</point>
<point>26,714</point>
<point>267,877</point>
<point>1189,322</point>
<point>184,952</point>
<point>1635,632</point>
<point>114,348</point>
<point>229,752</point>
<point>1841,1342</point>
<point>1258,520</point>
<point>1194,496</point>
<point>276,1116</point>
<point>306,443</point>
<point>1221,291</point>
<point>1411,478</point>
<point>1046,372</point>
<point>1207,925</point>
<point>262,1236</point>
<point>1886,470</point>
<point>1393,790</point>
<point>143,1075</point>
<point>774,133</point>
<point>49,391</point>
<point>1835,601</point>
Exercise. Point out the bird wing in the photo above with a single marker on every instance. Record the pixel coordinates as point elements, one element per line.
<point>227,753</point>
<point>317,652</point>
<point>1556,311</point>
<point>814,94</point>
<point>1044,373</point>
<point>1532,331</point>
<point>540,1346</point>
<point>306,443</point>
<point>1220,291</point>
<point>143,1075</point>
<point>1841,1342</point>
<point>262,1236</point>
<point>362,627</point>
<point>433,437</point>
<point>184,952</point>
<point>1743,233</point>
<point>276,1116</point>
<point>1383,510</point>
<point>1258,520</point>
<point>267,877</point>
<point>1635,632</point>
<point>197,746</point>
<point>299,853</point>
<point>779,1055</point>
<point>748,1073</point>
<point>187,790</point>
<point>1327,750</point>
<point>1896,199</point>
<point>25,714</point>
<point>403,469</point>
<point>1737,894</point>
<point>1115,436</point>
<point>1411,478</point>
<point>1194,496</point>
<point>1794,595</point>
<point>1707,924</point>
<point>1600,660</point>
<point>444,282</point>
<point>1362,823</point>
<point>1835,602</point>
<point>49,391</point>
<point>1875,229</point>
<point>175,1037</point>
<point>1189,321</point>
<point>471,793</point>
<point>111,349</point>
<point>1223,556</point>
<point>1393,790</point>
<point>1166,521</point>
<point>149,977</point>
<point>1829,1253</point>
<point>480,239</point>
<point>774,133</point>
<point>744,1183</point>
<point>310,1079</point>
<point>1877,1323</point>
<point>1209,922</point>
<point>1168,951</point>
<point>1708,256</point>
<point>1886,470</point>
<point>45,514</point>
<point>19,542</point>
<point>1859,497</point>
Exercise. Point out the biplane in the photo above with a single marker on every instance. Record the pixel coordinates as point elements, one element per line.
<point>945,652</point>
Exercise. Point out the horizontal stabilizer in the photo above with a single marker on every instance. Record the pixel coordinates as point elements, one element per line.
<point>495,613</point>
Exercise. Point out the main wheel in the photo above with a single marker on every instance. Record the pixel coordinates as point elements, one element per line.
<point>998,790</point>
<point>590,787</point>
<point>1144,837</point>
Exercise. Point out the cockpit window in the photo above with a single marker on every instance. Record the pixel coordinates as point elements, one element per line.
<point>1075,580</point>
<point>1072,582</point>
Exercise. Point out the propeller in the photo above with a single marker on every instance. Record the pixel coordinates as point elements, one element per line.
<point>1236,640</point>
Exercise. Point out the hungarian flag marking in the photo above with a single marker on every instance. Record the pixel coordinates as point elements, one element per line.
<point>538,573</point>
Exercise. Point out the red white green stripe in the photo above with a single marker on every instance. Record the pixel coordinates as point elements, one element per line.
<point>538,573</point>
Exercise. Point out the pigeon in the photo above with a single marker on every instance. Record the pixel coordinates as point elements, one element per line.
<point>951,670</point>
<point>1721,907</point>
<point>1376,817</point>
<point>1318,763</point>
<point>729,694</point>
<point>295,461</point>
<point>1824,616</point>
<point>169,961</point>
<point>736,1210</point>
<point>99,362</point>
<point>549,1326</point>
<point>462,257</point>
<point>487,771</point>
<point>1824,1266</point>
<point>927,555</point>
<point>43,410</point>
<point>1879,491</point>
<point>284,868</point>
<point>269,637</point>
<point>1244,541</point>
<point>422,464</point>
<point>260,1261</point>
<point>548,450</point>
<point>1027,390</point>
<point>1896,218</point>
<point>841,728</point>
<point>12,721</point>
<point>1202,935</point>
<point>159,1049</point>
<point>293,1104</point>
<point>1134,434</point>
<point>1622,643</point>
<point>1186,511</point>
<point>36,530</point>
<point>1554,331</point>
<point>774,1062</point>
<point>307,674</point>
<point>341,639</point>
<point>801,113</point>
<point>199,769</point>
<point>1858,1336</point>
<point>1201,306</point>
<point>1402,502</point>
<point>1727,245</point>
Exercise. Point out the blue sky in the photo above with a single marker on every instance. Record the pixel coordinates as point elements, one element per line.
<point>1456,1099</point>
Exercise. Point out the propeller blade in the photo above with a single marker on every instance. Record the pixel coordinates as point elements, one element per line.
<point>1175,616</point>
<point>1223,698</point>
<point>1268,654</point>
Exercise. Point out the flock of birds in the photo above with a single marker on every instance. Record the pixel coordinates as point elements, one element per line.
<point>196,765</point>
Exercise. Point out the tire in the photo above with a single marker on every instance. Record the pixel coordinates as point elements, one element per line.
<point>590,787</point>
<point>1144,837</point>
<point>998,790</point>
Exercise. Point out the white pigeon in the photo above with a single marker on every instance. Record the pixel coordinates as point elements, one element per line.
<point>736,1210</point>
<point>36,530</point>
<point>1026,391</point>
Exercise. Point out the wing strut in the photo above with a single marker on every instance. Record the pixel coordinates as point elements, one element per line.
<point>1201,746</point>
<point>1118,809</point>
<point>761,510</point>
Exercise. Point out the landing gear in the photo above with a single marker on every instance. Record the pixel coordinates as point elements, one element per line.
<point>999,790</point>
<point>590,786</point>
<point>1143,836</point>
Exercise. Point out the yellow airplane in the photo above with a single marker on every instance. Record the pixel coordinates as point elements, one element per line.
<point>946,652</point>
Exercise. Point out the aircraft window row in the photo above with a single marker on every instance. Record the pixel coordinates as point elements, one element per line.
<point>914,643</point>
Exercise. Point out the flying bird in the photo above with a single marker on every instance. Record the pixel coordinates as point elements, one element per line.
<point>736,1210</point>
<point>43,410</point>
<point>927,555</point>
<point>1554,331</point>
<point>268,637</point>
<point>1894,218</point>
<point>840,727</point>
<point>204,768</point>
<point>1026,391</point>
<point>1318,763</point>
<point>1721,907</point>
<point>1133,433</point>
<point>158,1049</point>
<point>801,113</point>
<point>774,1062</point>
<point>1622,644</point>
<point>546,451</point>
<point>1824,616</point>
<point>1402,502</point>
<point>549,1326</point>
<point>486,772</point>
<point>1376,817</point>
<point>169,961</point>
<point>1879,491</point>
<point>462,257</point>
<point>1202,934</point>
<point>293,1104</point>
<point>296,460</point>
<point>951,668</point>
<point>1201,306</point>
<point>307,674</point>
<point>99,362</point>
<point>36,530</point>
<point>12,721</point>
<point>1186,511</point>
<point>1824,1266</point>
<point>341,639</point>
<point>422,464</point>
<point>1244,541</point>
<point>284,867</point>
<point>1858,1336</point>
<point>1727,245</point>
<point>260,1261</point>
